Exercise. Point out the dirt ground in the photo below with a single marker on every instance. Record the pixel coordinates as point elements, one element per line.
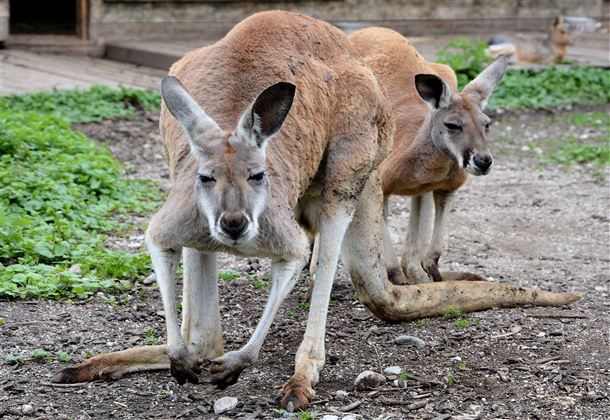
<point>539,226</point>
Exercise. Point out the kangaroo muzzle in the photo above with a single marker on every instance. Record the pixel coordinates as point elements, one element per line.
<point>234,225</point>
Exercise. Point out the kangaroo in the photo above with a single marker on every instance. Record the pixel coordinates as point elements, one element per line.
<point>533,50</point>
<point>441,137</point>
<point>275,131</point>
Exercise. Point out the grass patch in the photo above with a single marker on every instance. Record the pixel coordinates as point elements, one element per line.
<point>95,104</point>
<point>572,150</point>
<point>452,312</point>
<point>61,195</point>
<point>228,274</point>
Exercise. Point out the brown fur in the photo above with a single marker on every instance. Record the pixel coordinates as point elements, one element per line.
<point>413,167</point>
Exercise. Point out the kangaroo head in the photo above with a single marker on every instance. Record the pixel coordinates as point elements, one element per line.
<point>458,126</point>
<point>232,186</point>
<point>559,32</point>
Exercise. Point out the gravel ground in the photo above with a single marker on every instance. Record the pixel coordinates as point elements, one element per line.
<point>539,226</point>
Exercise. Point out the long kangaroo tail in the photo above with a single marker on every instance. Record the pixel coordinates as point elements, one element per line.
<point>361,255</point>
<point>114,365</point>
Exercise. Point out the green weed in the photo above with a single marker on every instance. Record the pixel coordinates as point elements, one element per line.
<point>462,366</point>
<point>467,58</point>
<point>63,357</point>
<point>228,275</point>
<point>450,379</point>
<point>452,312</point>
<point>305,415</point>
<point>461,323</point>
<point>150,338</point>
<point>1,321</point>
<point>40,355</point>
<point>404,376</point>
<point>94,104</point>
<point>61,194</point>
<point>13,359</point>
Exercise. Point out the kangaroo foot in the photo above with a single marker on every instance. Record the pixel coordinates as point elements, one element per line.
<point>226,369</point>
<point>297,393</point>
<point>185,367</point>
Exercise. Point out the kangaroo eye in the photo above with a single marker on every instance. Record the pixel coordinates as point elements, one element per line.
<point>487,126</point>
<point>206,180</point>
<point>257,177</point>
<point>453,127</point>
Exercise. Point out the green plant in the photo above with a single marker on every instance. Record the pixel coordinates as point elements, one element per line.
<point>40,355</point>
<point>150,338</point>
<point>291,314</point>
<point>94,104</point>
<point>450,379</point>
<point>452,312</point>
<point>258,284</point>
<point>462,366</point>
<point>304,305</point>
<point>461,323</point>
<point>1,321</point>
<point>63,357</point>
<point>88,353</point>
<point>228,275</point>
<point>572,150</point>
<point>305,415</point>
<point>555,87</point>
<point>467,58</point>
<point>404,376</point>
<point>422,323</point>
<point>13,359</point>
<point>60,195</point>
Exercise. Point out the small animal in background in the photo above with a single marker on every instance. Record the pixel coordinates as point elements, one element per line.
<point>524,49</point>
<point>441,136</point>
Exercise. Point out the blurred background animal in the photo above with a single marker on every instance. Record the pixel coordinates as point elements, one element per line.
<point>527,49</point>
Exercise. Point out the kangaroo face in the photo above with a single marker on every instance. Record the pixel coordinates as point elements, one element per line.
<point>232,187</point>
<point>460,131</point>
<point>459,127</point>
<point>559,32</point>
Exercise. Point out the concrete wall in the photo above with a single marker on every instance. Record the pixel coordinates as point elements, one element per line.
<point>158,19</point>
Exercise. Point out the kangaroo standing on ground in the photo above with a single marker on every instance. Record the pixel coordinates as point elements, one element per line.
<point>440,137</point>
<point>276,131</point>
<point>525,49</point>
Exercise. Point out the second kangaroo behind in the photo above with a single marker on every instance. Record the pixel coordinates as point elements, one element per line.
<point>441,136</point>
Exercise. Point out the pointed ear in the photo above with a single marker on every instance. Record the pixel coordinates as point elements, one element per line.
<point>186,111</point>
<point>266,114</point>
<point>558,21</point>
<point>481,88</point>
<point>433,90</point>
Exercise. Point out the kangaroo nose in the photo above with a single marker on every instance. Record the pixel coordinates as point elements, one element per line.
<point>483,162</point>
<point>233,224</point>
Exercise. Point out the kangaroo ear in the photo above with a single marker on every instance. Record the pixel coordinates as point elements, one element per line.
<point>558,21</point>
<point>433,90</point>
<point>267,113</point>
<point>186,111</point>
<point>481,88</point>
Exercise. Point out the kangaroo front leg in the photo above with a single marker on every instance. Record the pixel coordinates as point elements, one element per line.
<point>298,391</point>
<point>443,201</point>
<point>227,368</point>
<point>201,329</point>
<point>183,365</point>
<point>418,238</point>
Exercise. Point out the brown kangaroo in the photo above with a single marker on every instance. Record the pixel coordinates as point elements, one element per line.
<point>440,137</point>
<point>527,49</point>
<point>275,132</point>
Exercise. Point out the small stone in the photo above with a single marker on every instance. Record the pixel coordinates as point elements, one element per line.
<point>150,279</point>
<point>225,404</point>
<point>409,339</point>
<point>330,417</point>
<point>399,383</point>
<point>202,408</point>
<point>75,269</point>
<point>393,370</point>
<point>348,417</point>
<point>369,379</point>
<point>341,393</point>
<point>27,409</point>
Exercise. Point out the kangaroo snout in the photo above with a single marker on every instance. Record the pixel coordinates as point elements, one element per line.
<point>483,163</point>
<point>233,224</point>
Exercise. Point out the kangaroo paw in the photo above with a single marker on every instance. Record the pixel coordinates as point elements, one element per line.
<point>226,369</point>
<point>297,393</point>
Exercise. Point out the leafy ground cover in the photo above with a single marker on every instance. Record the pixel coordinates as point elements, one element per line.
<point>62,193</point>
<point>554,87</point>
